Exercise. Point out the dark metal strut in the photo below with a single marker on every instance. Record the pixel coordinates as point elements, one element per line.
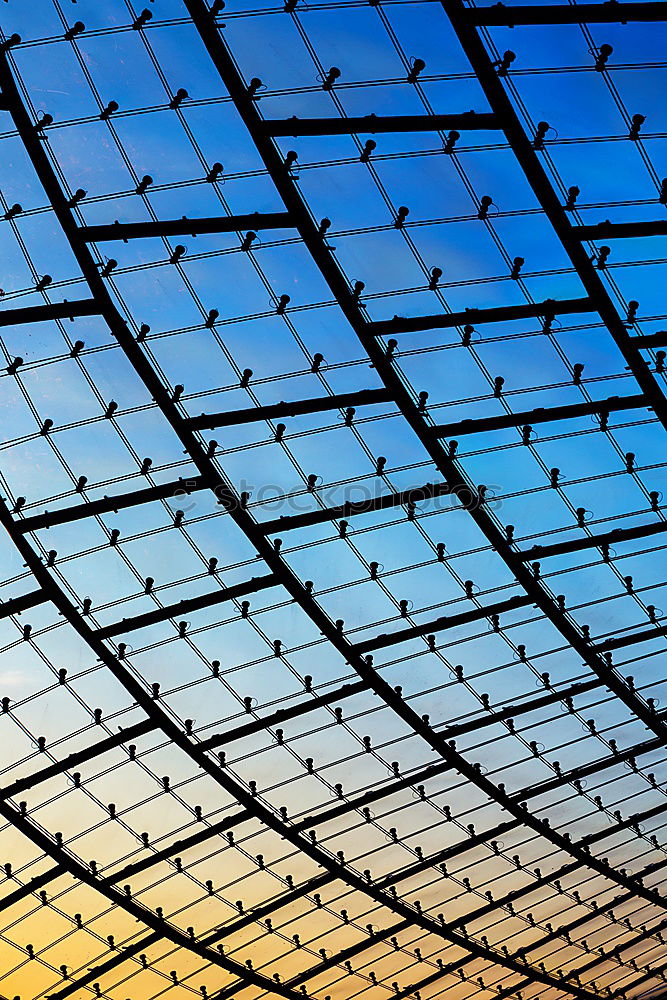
<point>185,227</point>
<point>581,13</point>
<point>375,123</point>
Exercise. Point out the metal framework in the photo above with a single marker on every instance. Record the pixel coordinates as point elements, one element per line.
<point>366,701</point>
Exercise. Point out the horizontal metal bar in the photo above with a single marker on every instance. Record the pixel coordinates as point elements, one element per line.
<point>433,977</point>
<point>23,891</point>
<point>283,715</point>
<point>178,846</point>
<point>496,314</point>
<point>50,310</point>
<point>586,770</point>
<point>367,798</point>
<point>373,124</point>
<point>444,622</point>
<point>186,227</point>
<point>80,757</point>
<point>15,605</point>
<point>582,13</point>
<point>269,907</point>
<point>594,541</point>
<point>354,507</point>
<point>620,230</point>
<point>657,339</point>
<point>540,415</point>
<point>107,505</point>
<point>365,397</point>
<point>187,605</point>
<point>622,641</point>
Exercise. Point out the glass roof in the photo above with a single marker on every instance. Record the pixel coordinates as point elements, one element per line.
<point>332,494</point>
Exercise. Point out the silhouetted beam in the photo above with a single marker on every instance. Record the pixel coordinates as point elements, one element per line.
<point>353,507</point>
<point>586,770</point>
<point>338,958</point>
<point>496,314</point>
<point>177,847</point>
<point>15,605</point>
<point>185,226</point>
<point>658,339</point>
<point>107,505</point>
<point>376,123</point>
<point>23,891</point>
<point>620,230</point>
<point>540,415</point>
<point>50,310</point>
<point>594,541</point>
<point>251,414</point>
<point>271,906</point>
<point>187,605</point>
<point>582,13</point>
<point>622,641</point>
<point>444,622</point>
<point>283,715</point>
<point>80,757</point>
<point>355,803</point>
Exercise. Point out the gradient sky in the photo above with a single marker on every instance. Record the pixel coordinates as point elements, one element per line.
<point>552,79</point>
